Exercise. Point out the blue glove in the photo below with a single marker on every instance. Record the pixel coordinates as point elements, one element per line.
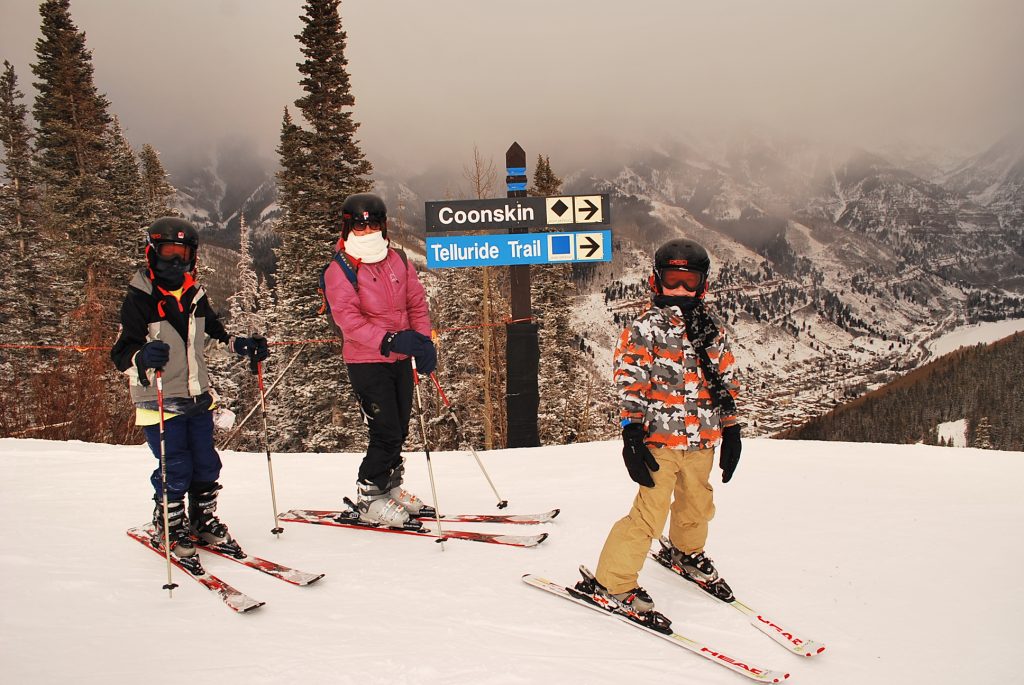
<point>426,360</point>
<point>153,355</point>
<point>414,344</point>
<point>255,348</point>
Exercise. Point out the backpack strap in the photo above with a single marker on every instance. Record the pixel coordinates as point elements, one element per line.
<point>347,267</point>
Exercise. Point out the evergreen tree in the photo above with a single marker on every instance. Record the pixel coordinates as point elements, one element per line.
<point>320,167</point>
<point>127,199</point>
<point>340,167</point>
<point>71,145</point>
<point>155,184</point>
<point>85,262</point>
<point>982,433</point>
<point>566,384</point>
<point>19,239</point>
<point>232,374</point>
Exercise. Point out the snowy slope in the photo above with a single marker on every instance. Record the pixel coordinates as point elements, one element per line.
<point>902,560</point>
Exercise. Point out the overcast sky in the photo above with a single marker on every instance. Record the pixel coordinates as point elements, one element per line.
<point>431,79</point>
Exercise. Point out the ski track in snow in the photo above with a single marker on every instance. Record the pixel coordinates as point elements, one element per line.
<point>847,544</point>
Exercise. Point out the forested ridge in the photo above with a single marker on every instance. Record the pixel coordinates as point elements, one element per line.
<point>983,384</point>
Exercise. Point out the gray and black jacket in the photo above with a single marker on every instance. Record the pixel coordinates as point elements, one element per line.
<point>150,313</point>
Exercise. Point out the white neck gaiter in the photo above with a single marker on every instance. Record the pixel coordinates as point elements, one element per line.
<point>370,248</point>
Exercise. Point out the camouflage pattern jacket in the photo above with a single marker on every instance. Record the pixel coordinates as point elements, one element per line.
<point>661,385</point>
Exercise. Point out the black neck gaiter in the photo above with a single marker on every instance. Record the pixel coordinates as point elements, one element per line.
<point>702,332</point>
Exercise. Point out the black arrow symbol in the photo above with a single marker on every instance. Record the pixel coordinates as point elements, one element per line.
<point>591,209</point>
<point>592,245</point>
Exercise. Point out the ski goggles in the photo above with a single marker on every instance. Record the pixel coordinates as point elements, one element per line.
<point>361,226</point>
<point>671,279</point>
<point>171,251</point>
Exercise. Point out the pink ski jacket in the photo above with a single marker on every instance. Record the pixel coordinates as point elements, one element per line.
<point>390,299</point>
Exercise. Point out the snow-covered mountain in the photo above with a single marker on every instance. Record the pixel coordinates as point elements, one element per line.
<point>831,266</point>
<point>793,534</point>
<point>995,179</point>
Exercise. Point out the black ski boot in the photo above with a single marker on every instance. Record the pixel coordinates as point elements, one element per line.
<point>635,604</point>
<point>202,511</point>
<point>696,567</point>
<point>177,529</point>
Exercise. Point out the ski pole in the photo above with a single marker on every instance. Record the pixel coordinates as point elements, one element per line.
<point>502,503</point>
<point>163,482</point>
<point>426,450</point>
<point>277,529</point>
<point>237,429</point>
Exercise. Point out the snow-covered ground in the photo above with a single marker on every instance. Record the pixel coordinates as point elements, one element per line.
<point>904,560</point>
<point>953,432</point>
<point>966,336</point>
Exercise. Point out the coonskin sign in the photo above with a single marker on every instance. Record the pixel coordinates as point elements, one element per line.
<point>503,215</point>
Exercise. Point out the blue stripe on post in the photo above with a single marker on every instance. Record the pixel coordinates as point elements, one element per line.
<point>517,186</point>
<point>516,170</point>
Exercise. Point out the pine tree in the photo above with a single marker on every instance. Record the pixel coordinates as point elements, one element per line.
<point>320,167</point>
<point>231,374</point>
<point>75,171</point>
<point>23,302</point>
<point>155,184</point>
<point>564,410</point>
<point>127,199</point>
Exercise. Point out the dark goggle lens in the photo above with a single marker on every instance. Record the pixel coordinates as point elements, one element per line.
<point>174,250</point>
<point>367,225</point>
<point>673,278</point>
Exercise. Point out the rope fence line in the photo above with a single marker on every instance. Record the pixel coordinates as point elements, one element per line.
<point>280,343</point>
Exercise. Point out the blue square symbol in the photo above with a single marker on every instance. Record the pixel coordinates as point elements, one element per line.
<point>561,245</point>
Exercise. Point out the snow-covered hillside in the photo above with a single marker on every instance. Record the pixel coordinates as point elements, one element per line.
<point>903,559</point>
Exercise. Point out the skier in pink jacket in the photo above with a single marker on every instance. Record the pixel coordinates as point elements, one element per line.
<point>385,320</point>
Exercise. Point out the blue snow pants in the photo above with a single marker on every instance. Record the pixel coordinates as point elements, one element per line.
<point>190,454</point>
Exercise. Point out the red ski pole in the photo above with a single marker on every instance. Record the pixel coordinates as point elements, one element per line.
<point>502,503</point>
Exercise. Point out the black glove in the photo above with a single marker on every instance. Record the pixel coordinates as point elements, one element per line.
<point>414,344</point>
<point>153,355</point>
<point>729,455</point>
<point>638,458</point>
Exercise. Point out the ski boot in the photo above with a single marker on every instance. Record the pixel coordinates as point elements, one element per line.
<point>410,502</point>
<point>177,529</point>
<point>205,526</point>
<point>635,604</point>
<point>696,567</point>
<point>376,506</point>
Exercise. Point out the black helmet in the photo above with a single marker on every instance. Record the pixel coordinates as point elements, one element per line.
<point>171,229</point>
<point>684,256</point>
<point>363,208</point>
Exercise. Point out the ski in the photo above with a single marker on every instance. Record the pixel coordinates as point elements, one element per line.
<point>734,664</point>
<point>232,551</point>
<point>236,600</point>
<point>521,519</point>
<point>797,645</point>
<point>344,519</point>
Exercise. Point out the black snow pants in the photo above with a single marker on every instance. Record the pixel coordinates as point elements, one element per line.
<point>385,396</point>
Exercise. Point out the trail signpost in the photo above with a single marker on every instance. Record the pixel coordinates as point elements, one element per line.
<point>500,235</point>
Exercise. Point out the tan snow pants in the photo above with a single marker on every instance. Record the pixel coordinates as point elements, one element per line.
<point>680,485</point>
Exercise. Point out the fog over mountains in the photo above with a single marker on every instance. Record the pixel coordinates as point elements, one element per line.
<point>831,266</point>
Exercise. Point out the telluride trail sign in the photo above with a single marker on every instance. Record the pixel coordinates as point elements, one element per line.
<point>518,248</point>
